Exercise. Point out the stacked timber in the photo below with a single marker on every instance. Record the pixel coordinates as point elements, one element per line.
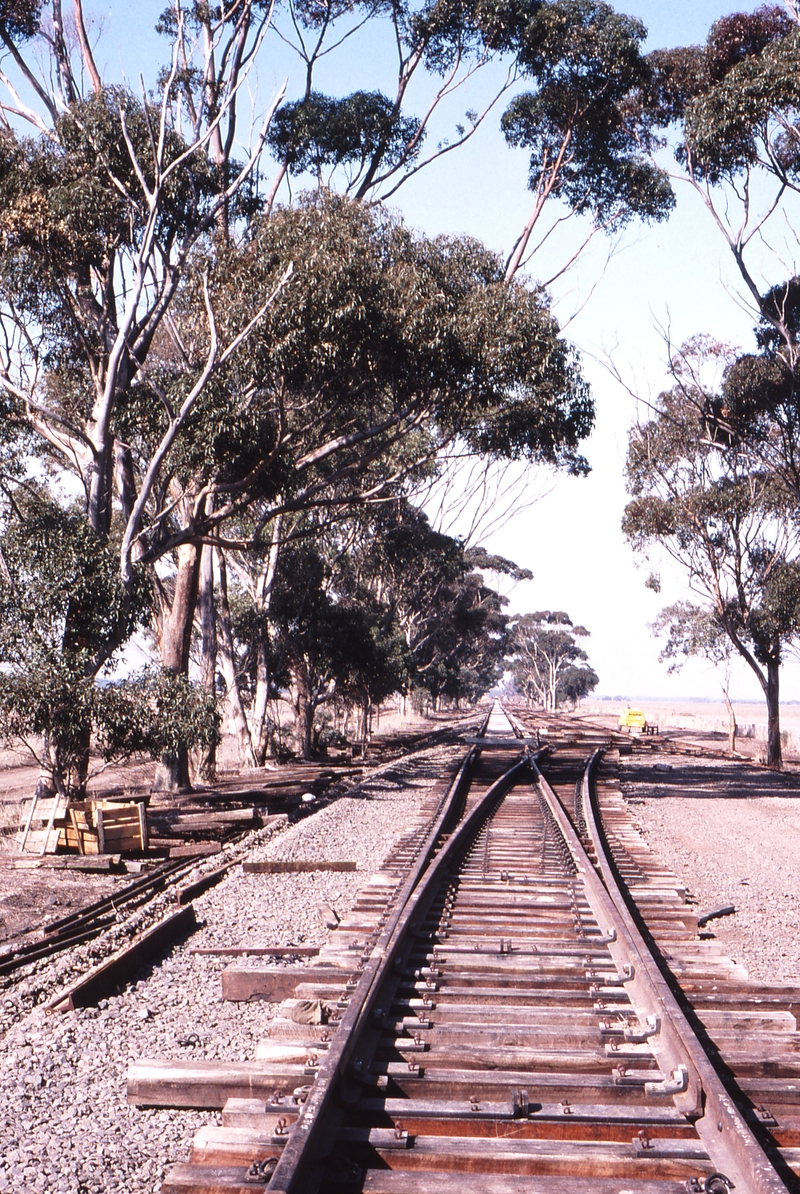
<point>198,822</point>
<point>175,825</point>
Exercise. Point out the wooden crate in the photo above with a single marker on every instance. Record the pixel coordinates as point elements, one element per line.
<point>121,825</point>
<point>79,823</point>
<point>104,827</point>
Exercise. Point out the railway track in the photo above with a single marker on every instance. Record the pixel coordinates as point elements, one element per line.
<point>89,921</point>
<point>519,1001</point>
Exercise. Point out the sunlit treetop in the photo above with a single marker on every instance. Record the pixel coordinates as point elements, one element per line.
<point>737,96</point>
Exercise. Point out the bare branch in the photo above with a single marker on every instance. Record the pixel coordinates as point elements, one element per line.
<point>86,49</point>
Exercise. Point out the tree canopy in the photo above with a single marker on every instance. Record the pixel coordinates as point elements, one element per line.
<point>547,663</point>
<point>725,519</point>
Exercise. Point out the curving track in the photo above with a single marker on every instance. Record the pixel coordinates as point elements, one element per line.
<point>519,1002</point>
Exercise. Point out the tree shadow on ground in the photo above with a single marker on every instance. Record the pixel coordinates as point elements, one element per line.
<point>701,779</point>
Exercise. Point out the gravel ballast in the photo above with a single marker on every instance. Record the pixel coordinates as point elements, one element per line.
<point>65,1125</point>
<point>730,831</point>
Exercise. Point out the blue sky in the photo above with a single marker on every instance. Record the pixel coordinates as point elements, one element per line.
<point>676,275</point>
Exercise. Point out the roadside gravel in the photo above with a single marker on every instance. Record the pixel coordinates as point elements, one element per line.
<point>65,1126</point>
<point>730,831</point>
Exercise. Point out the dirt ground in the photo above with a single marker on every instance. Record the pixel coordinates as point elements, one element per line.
<point>29,898</point>
<point>731,831</point>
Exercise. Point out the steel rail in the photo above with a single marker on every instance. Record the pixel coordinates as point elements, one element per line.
<point>311,1134</point>
<point>91,920</point>
<point>691,1079</point>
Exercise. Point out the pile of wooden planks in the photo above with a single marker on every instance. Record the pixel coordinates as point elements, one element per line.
<point>175,825</point>
<point>198,821</point>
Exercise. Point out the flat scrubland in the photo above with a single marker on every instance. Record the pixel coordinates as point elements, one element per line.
<point>705,723</point>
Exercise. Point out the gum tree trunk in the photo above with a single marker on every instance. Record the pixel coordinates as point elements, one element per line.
<point>237,718</point>
<point>774,754</point>
<point>207,618</point>
<point>172,773</point>
<point>259,726</point>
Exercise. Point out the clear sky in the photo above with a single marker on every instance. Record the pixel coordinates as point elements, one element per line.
<point>676,275</point>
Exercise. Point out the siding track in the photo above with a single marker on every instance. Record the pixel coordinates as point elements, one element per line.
<point>518,1002</point>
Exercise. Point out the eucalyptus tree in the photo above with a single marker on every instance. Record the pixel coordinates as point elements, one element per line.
<point>180,344</point>
<point>434,585</point>
<point>105,204</point>
<point>328,644</point>
<point>585,125</point>
<point>385,348</point>
<point>546,659</point>
<point>60,592</point>
<point>725,519</point>
<point>732,107</point>
<point>574,70</point>
<point>575,683</point>
<point>364,606</point>
<point>102,210</point>
<point>463,656</point>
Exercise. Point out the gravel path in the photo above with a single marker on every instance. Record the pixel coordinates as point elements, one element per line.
<point>65,1126</point>
<point>731,831</point>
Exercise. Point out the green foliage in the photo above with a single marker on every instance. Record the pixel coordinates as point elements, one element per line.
<point>19,19</point>
<point>330,644</point>
<point>703,496</point>
<point>63,610</point>
<point>482,560</point>
<point>451,621</point>
<point>692,631</point>
<point>155,712</point>
<point>587,62</point>
<point>575,683</point>
<point>324,132</point>
<point>60,590</point>
<point>383,348</point>
<point>384,321</point>
<point>737,97</point>
<point>71,205</point>
<point>779,325</point>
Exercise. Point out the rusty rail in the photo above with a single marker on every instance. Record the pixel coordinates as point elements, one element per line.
<point>509,1028</point>
<point>703,1097</point>
<point>291,1175</point>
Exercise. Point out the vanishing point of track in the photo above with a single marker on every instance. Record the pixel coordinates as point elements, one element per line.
<point>519,1001</point>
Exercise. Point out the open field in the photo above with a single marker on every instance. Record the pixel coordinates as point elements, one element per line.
<point>706,722</point>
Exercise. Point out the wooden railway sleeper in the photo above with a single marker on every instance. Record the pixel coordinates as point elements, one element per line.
<point>291,1173</point>
<point>721,1127</point>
